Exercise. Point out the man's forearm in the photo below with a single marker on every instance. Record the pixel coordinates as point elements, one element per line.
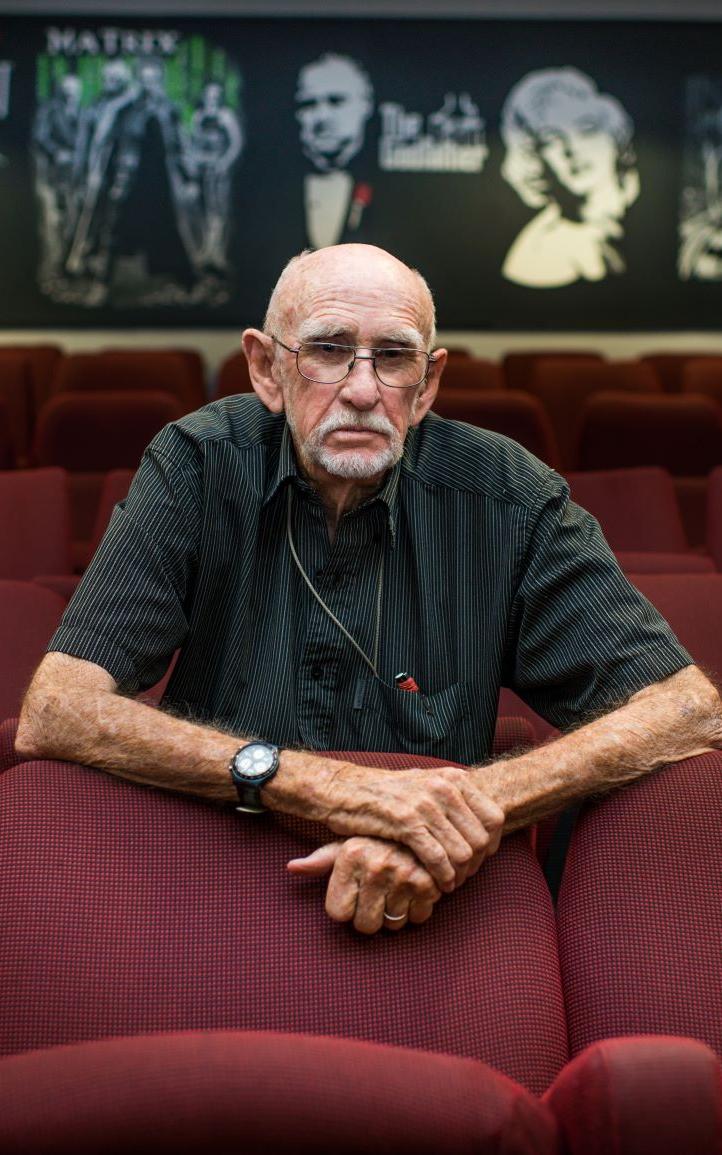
<point>666,722</point>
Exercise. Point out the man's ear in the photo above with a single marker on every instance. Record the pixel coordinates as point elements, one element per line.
<point>259,351</point>
<point>427,391</point>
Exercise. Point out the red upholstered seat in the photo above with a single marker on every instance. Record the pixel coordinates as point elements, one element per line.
<point>42,360</point>
<point>638,1096</point>
<point>639,911</point>
<point>34,523</point>
<point>636,508</point>
<point>472,373</point>
<point>223,1092</point>
<point>518,367</point>
<point>564,386</point>
<point>135,911</point>
<point>233,376</point>
<point>29,616</point>
<point>692,604</point>
<point>8,756</point>
<point>514,414</point>
<point>91,433</point>
<point>177,372</point>
<point>669,367</point>
<point>18,410</point>
<point>681,433</point>
<point>713,527</point>
<point>648,561</point>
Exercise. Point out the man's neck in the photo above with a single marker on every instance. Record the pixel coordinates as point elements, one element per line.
<point>339,494</point>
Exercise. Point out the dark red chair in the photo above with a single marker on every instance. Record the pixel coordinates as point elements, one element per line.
<point>564,386</point>
<point>703,375</point>
<point>89,434</point>
<point>233,376</point>
<point>472,373</point>
<point>692,604</point>
<point>29,617</point>
<point>518,367</point>
<point>682,434</point>
<point>713,526</point>
<point>670,367</point>
<point>135,911</point>
<point>636,508</point>
<point>34,523</point>
<point>639,912</point>
<point>650,561</point>
<point>146,370</point>
<point>201,1093</point>
<point>39,363</point>
<point>18,409</point>
<point>514,414</point>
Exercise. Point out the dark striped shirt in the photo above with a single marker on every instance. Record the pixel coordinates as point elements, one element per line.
<point>489,575</point>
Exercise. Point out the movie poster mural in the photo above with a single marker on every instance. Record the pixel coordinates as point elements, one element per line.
<point>540,174</point>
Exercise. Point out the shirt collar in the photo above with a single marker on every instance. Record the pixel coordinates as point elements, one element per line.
<point>287,471</point>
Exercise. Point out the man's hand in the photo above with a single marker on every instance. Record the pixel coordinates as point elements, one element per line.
<point>371,878</point>
<point>441,815</point>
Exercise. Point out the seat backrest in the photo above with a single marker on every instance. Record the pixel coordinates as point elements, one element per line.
<point>636,508</point>
<point>513,414</point>
<point>564,386</point>
<point>692,604</point>
<point>29,616</point>
<point>92,432</point>
<point>472,373</point>
<point>518,367</point>
<point>34,523</point>
<point>703,375</point>
<point>713,529</point>
<point>233,376</point>
<point>136,911</point>
<point>42,361</point>
<point>116,484</point>
<point>681,433</point>
<point>669,367</point>
<point>639,912</point>
<point>156,370</point>
<point>16,397</point>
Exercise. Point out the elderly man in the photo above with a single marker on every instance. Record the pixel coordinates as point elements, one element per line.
<point>342,569</point>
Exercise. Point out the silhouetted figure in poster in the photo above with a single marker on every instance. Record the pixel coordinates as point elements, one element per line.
<point>59,142</point>
<point>214,145</point>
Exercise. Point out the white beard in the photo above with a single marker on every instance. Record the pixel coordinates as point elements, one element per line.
<point>350,464</point>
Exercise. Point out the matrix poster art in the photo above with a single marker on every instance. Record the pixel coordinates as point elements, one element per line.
<point>541,175</point>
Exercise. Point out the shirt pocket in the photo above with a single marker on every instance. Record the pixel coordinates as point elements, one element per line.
<point>433,724</point>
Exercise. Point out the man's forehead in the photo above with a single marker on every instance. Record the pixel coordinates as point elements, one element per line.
<point>319,80</point>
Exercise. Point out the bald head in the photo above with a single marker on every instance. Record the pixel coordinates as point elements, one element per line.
<point>343,275</point>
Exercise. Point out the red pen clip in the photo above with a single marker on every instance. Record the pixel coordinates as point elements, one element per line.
<point>404,681</point>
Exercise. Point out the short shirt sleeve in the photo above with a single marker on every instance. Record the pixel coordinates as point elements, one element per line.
<point>582,638</point>
<point>130,611</point>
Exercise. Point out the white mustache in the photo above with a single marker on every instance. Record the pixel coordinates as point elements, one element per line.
<point>370,422</point>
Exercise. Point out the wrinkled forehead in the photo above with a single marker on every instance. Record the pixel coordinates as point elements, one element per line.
<point>374,301</point>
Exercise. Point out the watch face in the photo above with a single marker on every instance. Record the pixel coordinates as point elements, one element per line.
<point>255,761</point>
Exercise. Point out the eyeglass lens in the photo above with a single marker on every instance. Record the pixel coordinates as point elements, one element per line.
<point>329,364</point>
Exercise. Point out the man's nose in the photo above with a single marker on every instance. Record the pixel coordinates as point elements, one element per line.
<point>362,388</point>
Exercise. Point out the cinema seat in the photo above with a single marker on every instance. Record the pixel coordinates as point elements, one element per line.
<point>233,376</point>
<point>137,911</point>
<point>89,434</point>
<point>202,1093</point>
<point>692,604</point>
<point>146,370</point>
<point>18,410</point>
<point>513,414</point>
<point>636,508</point>
<point>564,386</point>
<point>639,912</point>
<point>518,367</point>
<point>34,523</point>
<point>703,375</point>
<point>682,434</point>
<point>472,373</point>
<point>29,617</point>
<point>670,367</point>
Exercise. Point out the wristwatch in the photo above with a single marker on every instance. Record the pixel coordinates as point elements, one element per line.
<point>251,767</point>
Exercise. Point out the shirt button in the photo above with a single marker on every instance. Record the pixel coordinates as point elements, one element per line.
<point>337,579</point>
<point>317,671</point>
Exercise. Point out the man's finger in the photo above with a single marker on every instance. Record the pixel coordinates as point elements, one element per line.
<point>318,863</point>
<point>420,911</point>
<point>342,891</point>
<point>370,906</point>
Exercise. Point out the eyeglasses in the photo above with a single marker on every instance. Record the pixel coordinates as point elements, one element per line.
<point>326,363</point>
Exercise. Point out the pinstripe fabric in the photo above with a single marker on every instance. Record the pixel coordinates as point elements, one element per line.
<point>491,576</point>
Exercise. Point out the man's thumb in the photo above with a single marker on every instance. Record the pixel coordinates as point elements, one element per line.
<point>317,863</point>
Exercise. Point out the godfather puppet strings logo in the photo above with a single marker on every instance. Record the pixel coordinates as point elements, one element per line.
<point>135,139</point>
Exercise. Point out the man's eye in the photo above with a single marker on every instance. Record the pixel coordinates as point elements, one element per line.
<point>389,355</point>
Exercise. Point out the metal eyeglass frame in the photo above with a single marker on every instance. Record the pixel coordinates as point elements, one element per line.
<point>430,360</point>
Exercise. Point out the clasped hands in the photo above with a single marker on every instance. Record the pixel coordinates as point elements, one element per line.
<point>411,835</point>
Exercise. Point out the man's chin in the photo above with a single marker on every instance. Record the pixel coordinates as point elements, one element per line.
<point>352,465</point>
